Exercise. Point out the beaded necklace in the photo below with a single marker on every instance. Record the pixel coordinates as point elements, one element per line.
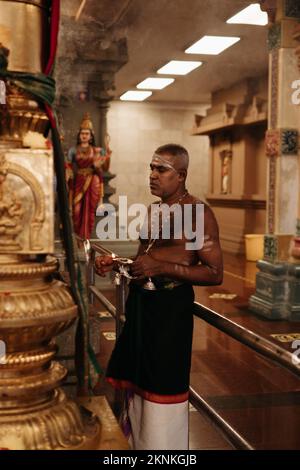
<point>153,240</point>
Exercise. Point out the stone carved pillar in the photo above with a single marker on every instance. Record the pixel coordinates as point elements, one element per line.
<point>296,247</point>
<point>83,64</point>
<point>274,280</point>
<point>87,61</point>
<point>102,98</point>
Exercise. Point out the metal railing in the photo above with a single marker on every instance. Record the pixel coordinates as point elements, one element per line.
<point>253,340</point>
<point>90,249</point>
<point>120,282</point>
<point>250,339</point>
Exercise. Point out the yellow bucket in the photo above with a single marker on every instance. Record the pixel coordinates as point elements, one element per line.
<point>254,246</point>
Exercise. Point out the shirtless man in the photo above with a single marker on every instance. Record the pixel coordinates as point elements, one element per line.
<point>152,356</point>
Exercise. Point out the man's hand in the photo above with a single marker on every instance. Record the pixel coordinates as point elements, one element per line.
<point>103,264</point>
<point>145,266</point>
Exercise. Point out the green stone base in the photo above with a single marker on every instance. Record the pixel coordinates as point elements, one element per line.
<point>293,303</point>
<point>267,309</point>
<point>270,298</point>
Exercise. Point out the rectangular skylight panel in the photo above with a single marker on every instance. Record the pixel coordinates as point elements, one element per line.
<point>152,83</point>
<point>250,15</point>
<point>179,67</point>
<point>133,95</point>
<point>212,45</point>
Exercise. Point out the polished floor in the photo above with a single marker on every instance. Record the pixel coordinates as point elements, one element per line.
<point>256,397</point>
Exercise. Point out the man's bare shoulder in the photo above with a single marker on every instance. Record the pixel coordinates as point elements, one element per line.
<point>208,212</point>
<point>194,200</point>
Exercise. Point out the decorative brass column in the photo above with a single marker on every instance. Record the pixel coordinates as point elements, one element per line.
<point>24,31</point>
<point>34,306</point>
<point>34,412</point>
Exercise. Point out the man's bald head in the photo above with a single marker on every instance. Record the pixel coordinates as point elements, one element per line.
<point>180,156</point>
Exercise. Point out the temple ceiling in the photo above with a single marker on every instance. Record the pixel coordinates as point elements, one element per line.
<point>160,30</point>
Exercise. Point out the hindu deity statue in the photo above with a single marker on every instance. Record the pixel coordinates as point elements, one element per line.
<point>225,173</point>
<point>84,173</point>
<point>11,212</point>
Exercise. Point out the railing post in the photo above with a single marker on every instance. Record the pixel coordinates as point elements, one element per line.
<point>91,275</point>
<point>120,301</point>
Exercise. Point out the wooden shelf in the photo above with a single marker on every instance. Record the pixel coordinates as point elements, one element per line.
<point>229,200</point>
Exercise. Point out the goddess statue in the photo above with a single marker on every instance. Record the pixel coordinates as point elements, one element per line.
<point>84,174</point>
<point>225,174</point>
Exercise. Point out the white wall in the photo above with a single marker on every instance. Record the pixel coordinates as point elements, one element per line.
<point>137,129</point>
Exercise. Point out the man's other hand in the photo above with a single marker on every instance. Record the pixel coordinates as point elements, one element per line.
<point>145,266</point>
<point>103,264</point>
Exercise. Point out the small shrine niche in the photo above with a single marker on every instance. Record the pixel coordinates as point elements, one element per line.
<point>226,157</point>
<point>236,124</point>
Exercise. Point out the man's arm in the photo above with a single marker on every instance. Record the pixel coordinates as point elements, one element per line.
<point>209,272</point>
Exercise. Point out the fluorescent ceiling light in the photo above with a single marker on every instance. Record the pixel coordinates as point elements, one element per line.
<point>155,83</point>
<point>250,15</point>
<point>179,67</point>
<point>133,95</point>
<point>212,45</point>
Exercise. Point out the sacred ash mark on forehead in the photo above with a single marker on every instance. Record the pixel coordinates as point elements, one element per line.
<point>159,160</point>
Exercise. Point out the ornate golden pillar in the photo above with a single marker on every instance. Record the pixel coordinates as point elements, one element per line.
<point>23,30</point>
<point>276,279</point>
<point>34,307</point>
<point>24,33</point>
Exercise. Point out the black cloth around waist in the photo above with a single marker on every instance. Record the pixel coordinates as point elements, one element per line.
<point>153,352</point>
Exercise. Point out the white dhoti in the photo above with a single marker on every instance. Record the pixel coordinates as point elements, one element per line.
<point>155,426</point>
<point>151,361</point>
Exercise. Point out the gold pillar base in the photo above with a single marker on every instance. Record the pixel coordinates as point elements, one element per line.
<point>112,438</point>
<point>53,425</point>
<point>34,412</point>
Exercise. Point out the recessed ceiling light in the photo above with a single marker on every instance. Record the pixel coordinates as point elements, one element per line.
<point>133,95</point>
<point>179,67</point>
<point>212,45</point>
<point>250,15</point>
<point>155,83</point>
